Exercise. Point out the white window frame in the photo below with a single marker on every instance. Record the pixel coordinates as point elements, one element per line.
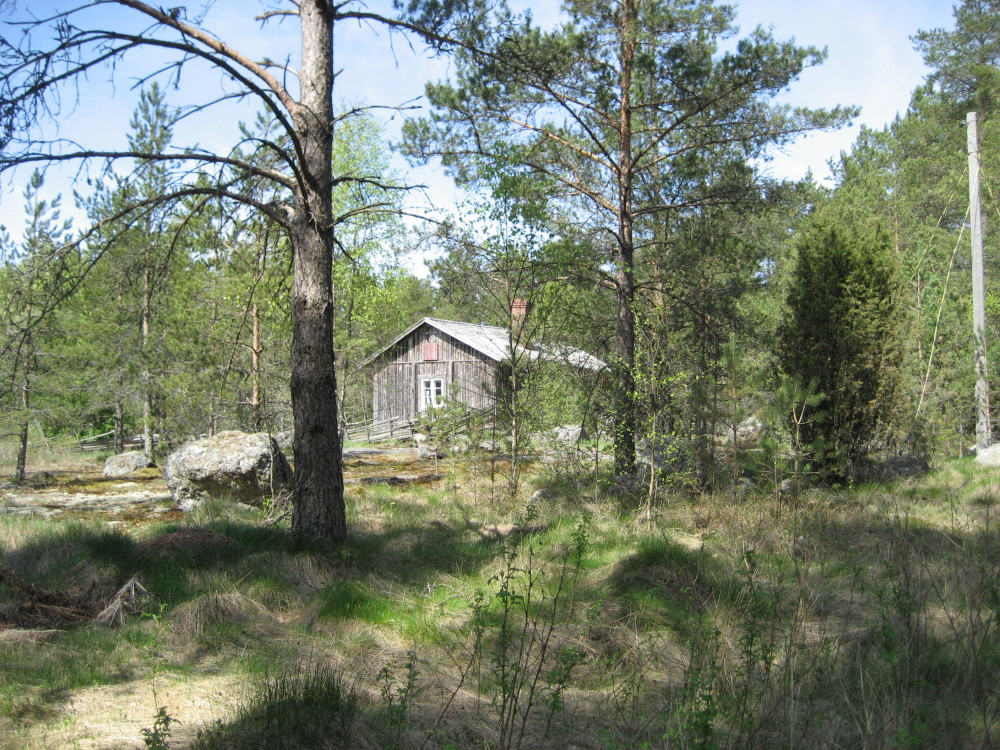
<point>431,393</point>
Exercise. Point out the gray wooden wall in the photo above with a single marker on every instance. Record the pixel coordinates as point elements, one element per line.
<point>399,372</point>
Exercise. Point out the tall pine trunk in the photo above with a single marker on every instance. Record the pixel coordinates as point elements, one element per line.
<point>319,484</point>
<point>256,395</point>
<point>624,394</point>
<point>20,470</point>
<point>119,423</point>
<point>22,449</point>
<point>147,389</point>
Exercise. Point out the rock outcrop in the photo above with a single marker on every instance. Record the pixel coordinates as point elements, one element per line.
<point>989,456</point>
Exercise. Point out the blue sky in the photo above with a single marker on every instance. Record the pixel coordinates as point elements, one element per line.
<point>871,63</point>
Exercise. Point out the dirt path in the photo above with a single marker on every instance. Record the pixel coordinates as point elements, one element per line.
<point>106,717</point>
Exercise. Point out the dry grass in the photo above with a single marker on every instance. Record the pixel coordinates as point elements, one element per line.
<point>852,618</point>
<point>193,619</point>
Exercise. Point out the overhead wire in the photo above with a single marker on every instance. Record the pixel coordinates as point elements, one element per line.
<point>937,321</point>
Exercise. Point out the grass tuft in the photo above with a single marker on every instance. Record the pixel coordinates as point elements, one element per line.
<point>313,707</point>
<point>207,612</point>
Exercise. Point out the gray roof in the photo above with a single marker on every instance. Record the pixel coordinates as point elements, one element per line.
<point>494,342</point>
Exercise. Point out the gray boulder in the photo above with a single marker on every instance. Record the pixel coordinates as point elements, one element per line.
<point>126,463</point>
<point>905,465</point>
<point>558,438</point>
<point>989,456</point>
<point>750,430</point>
<point>568,433</point>
<point>247,467</point>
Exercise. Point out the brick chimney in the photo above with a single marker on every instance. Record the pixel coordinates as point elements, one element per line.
<point>518,313</point>
<point>519,309</point>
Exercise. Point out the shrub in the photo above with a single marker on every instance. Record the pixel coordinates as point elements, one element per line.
<point>842,334</point>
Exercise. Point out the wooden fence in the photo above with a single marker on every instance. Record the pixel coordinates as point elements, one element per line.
<point>383,429</point>
<point>106,442</point>
<point>401,428</point>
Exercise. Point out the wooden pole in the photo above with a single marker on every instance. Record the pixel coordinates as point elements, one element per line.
<point>983,432</point>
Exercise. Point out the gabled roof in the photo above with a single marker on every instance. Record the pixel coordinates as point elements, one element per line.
<point>494,343</point>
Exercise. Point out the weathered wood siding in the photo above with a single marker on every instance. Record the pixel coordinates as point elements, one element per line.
<point>468,375</point>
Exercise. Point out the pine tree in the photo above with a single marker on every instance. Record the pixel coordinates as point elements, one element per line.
<point>34,279</point>
<point>631,113</point>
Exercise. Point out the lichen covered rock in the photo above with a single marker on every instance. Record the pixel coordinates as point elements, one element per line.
<point>126,463</point>
<point>246,467</point>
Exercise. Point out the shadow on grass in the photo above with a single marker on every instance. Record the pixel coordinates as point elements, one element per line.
<point>174,562</point>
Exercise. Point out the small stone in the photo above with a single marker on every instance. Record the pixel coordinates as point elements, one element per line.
<point>791,486</point>
<point>539,495</point>
<point>427,451</point>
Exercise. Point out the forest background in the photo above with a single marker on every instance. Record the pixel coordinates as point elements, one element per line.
<point>183,326</point>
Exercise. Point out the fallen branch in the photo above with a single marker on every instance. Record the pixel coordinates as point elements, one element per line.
<point>42,607</point>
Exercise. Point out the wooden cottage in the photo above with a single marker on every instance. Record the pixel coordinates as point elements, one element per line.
<point>438,360</point>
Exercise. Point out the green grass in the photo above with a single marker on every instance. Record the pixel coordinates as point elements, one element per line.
<point>353,600</point>
<point>35,679</point>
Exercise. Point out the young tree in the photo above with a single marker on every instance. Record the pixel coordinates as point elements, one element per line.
<point>76,41</point>
<point>911,179</point>
<point>842,337</point>
<point>369,237</point>
<point>629,111</point>
<point>139,259</point>
<point>34,275</point>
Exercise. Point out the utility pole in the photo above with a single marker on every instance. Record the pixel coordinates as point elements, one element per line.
<point>983,432</point>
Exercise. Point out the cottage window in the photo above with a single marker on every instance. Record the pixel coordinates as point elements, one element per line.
<point>432,393</point>
<point>430,351</point>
